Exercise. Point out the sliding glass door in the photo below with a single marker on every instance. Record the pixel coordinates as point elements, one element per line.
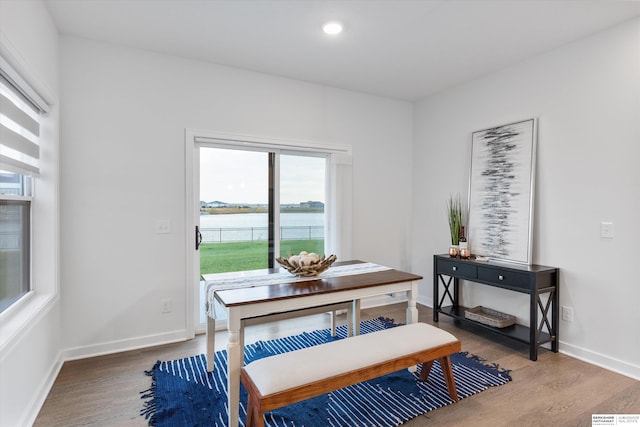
<point>255,205</point>
<point>234,203</point>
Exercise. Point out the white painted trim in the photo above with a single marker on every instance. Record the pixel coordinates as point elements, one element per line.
<point>253,141</point>
<point>40,397</point>
<point>602,360</point>
<point>18,325</point>
<point>427,302</point>
<point>136,343</point>
<point>191,156</point>
<point>19,320</point>
<point>12,57</point>
<point>594,358</point>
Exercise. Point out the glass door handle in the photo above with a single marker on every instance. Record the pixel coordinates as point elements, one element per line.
<point>198,238</point>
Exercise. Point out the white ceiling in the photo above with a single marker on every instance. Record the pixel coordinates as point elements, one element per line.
<point>400,49</point>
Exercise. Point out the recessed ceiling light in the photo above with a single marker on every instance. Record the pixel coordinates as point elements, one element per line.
<point>332,28</point>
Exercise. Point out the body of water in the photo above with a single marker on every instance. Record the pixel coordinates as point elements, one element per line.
<point>254,226</point>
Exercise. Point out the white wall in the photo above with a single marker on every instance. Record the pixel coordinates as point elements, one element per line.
<point>122,167</point>
<point>587,98</point>
<point>30,341</point>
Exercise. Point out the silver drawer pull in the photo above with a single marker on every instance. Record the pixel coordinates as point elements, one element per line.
<point>455,268</point>
<point>501,277</point>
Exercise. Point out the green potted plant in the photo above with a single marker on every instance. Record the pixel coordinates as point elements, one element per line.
<point>454,214</point>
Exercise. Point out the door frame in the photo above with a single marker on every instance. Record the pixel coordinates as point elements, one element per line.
<point>340,205</point>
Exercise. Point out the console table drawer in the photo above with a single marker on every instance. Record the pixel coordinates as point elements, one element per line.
<point>502,277</point>
<point>457,269</point>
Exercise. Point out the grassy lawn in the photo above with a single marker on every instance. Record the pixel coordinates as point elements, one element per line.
<point>239,256</point>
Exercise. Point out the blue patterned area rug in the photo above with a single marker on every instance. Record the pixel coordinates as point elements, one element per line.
<point>183,393</point>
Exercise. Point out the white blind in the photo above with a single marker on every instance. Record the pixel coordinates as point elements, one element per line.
<point>20,108</point>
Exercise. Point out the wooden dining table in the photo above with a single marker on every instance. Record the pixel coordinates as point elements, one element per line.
<point>291,294</point>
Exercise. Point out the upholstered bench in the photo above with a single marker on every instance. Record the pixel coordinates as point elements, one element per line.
<point>323,368</point>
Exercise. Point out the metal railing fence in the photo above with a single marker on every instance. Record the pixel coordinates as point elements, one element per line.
<point>11,240</point>
<point>252,234</point>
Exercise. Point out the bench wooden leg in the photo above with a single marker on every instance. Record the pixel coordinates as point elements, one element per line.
<point>445,364</point>
<point>254,402</point>
<point>254,417</point>
<point>447,371</point>
<point>425,370</point>
<point>249,420</point>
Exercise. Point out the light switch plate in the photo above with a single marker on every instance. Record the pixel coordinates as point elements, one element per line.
<point>606,230</point>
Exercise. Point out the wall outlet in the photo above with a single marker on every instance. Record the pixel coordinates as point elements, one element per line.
<point>167,306</point>
<point>567,313</point>
<point>163,226</point>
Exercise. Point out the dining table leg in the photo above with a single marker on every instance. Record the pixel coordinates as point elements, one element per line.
<point>211,342</point>
<point>356,316</point>
<point>412,309</point>
<point>235,353</point>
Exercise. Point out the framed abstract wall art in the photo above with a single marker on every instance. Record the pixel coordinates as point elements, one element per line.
<point>501,191</point>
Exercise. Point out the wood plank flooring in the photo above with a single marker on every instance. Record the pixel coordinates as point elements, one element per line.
<point>557,390</point>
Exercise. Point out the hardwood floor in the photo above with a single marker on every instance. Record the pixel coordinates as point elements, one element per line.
<point>557,390</point>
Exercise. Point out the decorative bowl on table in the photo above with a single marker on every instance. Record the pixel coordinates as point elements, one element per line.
<point>306,264</point>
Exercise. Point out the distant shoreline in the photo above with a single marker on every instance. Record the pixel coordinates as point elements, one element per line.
<point>257,209</point>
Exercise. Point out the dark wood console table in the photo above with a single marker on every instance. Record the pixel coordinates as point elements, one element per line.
<point>534,280</point>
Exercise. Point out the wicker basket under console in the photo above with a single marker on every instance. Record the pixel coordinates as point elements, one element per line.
<point>490,317</point>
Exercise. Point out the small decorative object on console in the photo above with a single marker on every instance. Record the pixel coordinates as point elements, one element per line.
<point>454,216</point>
<point>462,244</point>
<point>306,264</point>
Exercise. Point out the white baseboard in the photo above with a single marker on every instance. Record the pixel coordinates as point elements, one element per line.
<point>427,302</point>
<point>90,351</point>
<point>602,360</point>
<point>124,345</point>
<point>43,392</point>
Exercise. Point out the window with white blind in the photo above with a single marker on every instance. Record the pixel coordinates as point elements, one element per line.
<point>20,111</point>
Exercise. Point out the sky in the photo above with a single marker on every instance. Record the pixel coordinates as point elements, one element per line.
<point>235,176</point>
